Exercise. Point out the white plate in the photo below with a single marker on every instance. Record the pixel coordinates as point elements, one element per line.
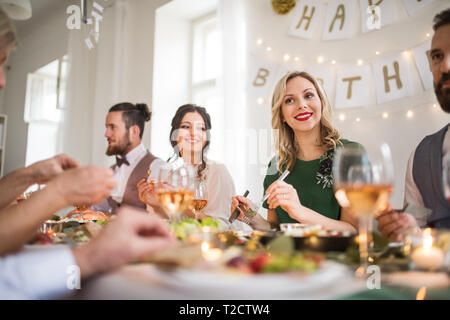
<point>257,285</point>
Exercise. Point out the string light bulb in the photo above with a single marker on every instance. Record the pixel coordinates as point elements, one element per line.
<point>360,62</point>
<point>260,100</point>
<point>435,105</point>
<point>377,53</point>
<point>320,59</point>
<point>297,59</point>
<point>410,114</point>
<point>286,57</point>
<point>259,42</point>
<point>333,62</point>
<point>358,119</point>
<point>385,115</point>
<point>342,117</point>
<point>269,48</point>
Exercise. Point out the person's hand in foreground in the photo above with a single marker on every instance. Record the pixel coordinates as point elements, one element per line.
<point>131,236</point>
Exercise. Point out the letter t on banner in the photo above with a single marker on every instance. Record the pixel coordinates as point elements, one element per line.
<point>307,17</point>
<point>391,78</point>
<point>353,86</point>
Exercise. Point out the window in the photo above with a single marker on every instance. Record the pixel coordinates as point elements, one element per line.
<point>44,106</point>
<point>206,69</point>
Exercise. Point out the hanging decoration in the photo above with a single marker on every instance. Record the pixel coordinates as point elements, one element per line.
<point>283,6</point>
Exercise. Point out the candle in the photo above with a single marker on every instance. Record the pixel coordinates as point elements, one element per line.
<point>209,253</point>
<point>427,256</point>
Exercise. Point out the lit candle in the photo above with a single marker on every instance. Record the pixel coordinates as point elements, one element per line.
<point>427,256</point>
<point>209,253</point>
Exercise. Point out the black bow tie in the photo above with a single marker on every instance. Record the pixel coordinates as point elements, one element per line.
<point>120,161</point>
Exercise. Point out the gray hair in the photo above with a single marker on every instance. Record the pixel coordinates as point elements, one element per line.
<point>8,37</point>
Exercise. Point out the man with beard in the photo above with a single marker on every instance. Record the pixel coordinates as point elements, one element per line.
<point>124,129</point>
<point>423,185</point>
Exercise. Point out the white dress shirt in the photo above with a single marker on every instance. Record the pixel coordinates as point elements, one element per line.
<point>412,193</point>
<point>41,273</point>
<point>122,174</point>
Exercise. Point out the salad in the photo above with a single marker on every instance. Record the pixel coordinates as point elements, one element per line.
<point>188,226</point>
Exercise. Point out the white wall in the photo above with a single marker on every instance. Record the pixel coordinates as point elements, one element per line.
<point>44,41</point>
<point>172,63</point>
<point>401,133</point>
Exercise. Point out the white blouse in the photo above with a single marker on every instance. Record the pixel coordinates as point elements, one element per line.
<point>220,189</point>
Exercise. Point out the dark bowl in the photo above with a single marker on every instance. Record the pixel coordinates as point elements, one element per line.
<point>313,243</point>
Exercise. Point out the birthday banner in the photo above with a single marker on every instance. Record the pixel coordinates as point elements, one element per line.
<point>349,86</point>
<point>339,15</point>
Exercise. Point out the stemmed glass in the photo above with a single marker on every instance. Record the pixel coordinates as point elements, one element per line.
<point>175,189</point>
<point>200,198</point>
<point>363,182</point>
<point>446,176</point>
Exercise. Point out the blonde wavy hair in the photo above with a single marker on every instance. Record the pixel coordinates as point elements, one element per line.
<point>8,35</point>
<point>286,145</point>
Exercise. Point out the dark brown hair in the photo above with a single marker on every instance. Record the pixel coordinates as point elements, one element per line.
<point>176,124</point>
<point>133,114</point>
<point>441,19</point>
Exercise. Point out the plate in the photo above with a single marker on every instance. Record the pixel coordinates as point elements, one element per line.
<point>252,286</point>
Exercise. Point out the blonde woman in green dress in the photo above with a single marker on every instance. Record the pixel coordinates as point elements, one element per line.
<point>301,113</point>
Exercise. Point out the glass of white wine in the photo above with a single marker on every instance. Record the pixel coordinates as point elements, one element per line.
<point>363,181</point>
<point>175,189</point>
<point>200,198</point>
<point>446,176</point>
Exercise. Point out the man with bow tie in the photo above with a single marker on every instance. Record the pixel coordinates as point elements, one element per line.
<point>124,129</point>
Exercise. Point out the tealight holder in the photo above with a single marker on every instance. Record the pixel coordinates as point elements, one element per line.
<point>428,249</point>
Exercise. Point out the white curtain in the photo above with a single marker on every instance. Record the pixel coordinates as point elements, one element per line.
<point>231,24</point>
<point>119,68</point>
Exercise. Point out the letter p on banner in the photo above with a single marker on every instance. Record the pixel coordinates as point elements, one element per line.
<point>374,18</point>
<point>74,279</point>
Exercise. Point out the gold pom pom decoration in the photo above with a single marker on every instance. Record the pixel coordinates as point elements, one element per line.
<point>283,6</point>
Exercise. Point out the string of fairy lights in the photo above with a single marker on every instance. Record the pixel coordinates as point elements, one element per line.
<point>356,116</point>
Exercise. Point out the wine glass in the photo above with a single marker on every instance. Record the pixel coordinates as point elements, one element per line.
<point>446,176</point>
<point>363,182</point>
<point>200,198</point>
<point>175,189</point>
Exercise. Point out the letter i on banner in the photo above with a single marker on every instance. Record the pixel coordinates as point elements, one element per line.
<point>340,21</point>
<point>376,14</point>
<point>391,78</point>
<point>306,21</point>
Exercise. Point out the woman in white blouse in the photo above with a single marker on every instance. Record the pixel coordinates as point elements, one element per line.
<point>190,138</point>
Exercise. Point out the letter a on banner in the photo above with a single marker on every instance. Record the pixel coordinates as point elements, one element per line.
<point>307,17</point>
<point>391,78</point>
<point>340,21</point>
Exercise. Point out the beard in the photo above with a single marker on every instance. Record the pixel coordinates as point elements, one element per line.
<point>443,94</point>
<point>120,148</point>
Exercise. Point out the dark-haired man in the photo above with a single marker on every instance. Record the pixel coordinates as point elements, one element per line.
<point>423,184</point>
<point>124,129</point>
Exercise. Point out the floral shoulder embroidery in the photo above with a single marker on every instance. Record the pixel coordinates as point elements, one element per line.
<point>325,174</point>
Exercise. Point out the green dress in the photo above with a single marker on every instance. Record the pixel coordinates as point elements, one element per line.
<point>313,195</point>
